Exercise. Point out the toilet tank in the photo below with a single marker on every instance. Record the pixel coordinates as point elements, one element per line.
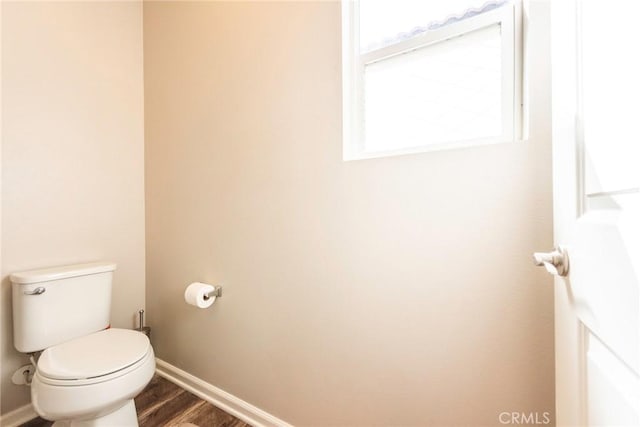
<point>54,305</point>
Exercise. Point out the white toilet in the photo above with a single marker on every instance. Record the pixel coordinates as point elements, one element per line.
<point>87,373</point>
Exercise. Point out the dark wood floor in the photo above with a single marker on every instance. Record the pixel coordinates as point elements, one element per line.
<point>163,403</point>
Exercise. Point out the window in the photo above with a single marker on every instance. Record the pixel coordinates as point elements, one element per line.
<point>421,75</point>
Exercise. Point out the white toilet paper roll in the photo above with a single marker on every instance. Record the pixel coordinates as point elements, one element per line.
<point>195,295</point>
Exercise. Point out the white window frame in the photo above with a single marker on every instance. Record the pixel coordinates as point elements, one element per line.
<point>511,18</point>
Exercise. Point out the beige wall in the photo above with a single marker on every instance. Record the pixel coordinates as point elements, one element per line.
<point>72,151</point>
<point>1,293</point>
<point>387,291</point>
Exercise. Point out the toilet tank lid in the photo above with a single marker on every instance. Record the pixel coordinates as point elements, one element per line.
<point>63,272</point>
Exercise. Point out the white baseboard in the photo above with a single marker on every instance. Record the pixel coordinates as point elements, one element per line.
<point>18,416</point>
<point>220,398</point>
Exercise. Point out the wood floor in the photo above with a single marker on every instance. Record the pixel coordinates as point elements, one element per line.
<point>163,403</point>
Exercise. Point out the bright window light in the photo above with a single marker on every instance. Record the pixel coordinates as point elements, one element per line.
<point>420,75</point>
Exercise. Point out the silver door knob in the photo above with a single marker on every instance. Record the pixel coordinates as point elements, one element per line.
<point>556,262</point>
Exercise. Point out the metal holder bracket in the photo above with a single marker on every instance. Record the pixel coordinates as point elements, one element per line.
<point>216,292</point>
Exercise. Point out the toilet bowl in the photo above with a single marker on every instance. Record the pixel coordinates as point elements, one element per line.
<point>93,379</point>
<point>87,374</point>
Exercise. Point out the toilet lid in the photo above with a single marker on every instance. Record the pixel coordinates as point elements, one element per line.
<point>94,355</point>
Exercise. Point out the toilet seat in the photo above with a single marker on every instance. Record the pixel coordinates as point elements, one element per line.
<point>92,398</point>
<point>98,357</point>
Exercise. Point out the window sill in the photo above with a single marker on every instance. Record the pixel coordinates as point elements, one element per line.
<point>363,155</point>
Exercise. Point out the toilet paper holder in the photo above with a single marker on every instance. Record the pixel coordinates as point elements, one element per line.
<point>216,292</point>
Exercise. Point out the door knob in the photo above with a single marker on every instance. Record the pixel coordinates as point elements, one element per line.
<point>556,262</point>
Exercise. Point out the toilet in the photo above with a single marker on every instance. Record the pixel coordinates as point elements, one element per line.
<point>87,373</point>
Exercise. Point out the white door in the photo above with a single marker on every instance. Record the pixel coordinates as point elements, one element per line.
<point>596,155</point>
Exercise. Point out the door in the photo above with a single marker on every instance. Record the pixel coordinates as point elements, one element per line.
<point>596,156</point>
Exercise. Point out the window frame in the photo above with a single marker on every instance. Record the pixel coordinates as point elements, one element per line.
<point>512,19</point>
